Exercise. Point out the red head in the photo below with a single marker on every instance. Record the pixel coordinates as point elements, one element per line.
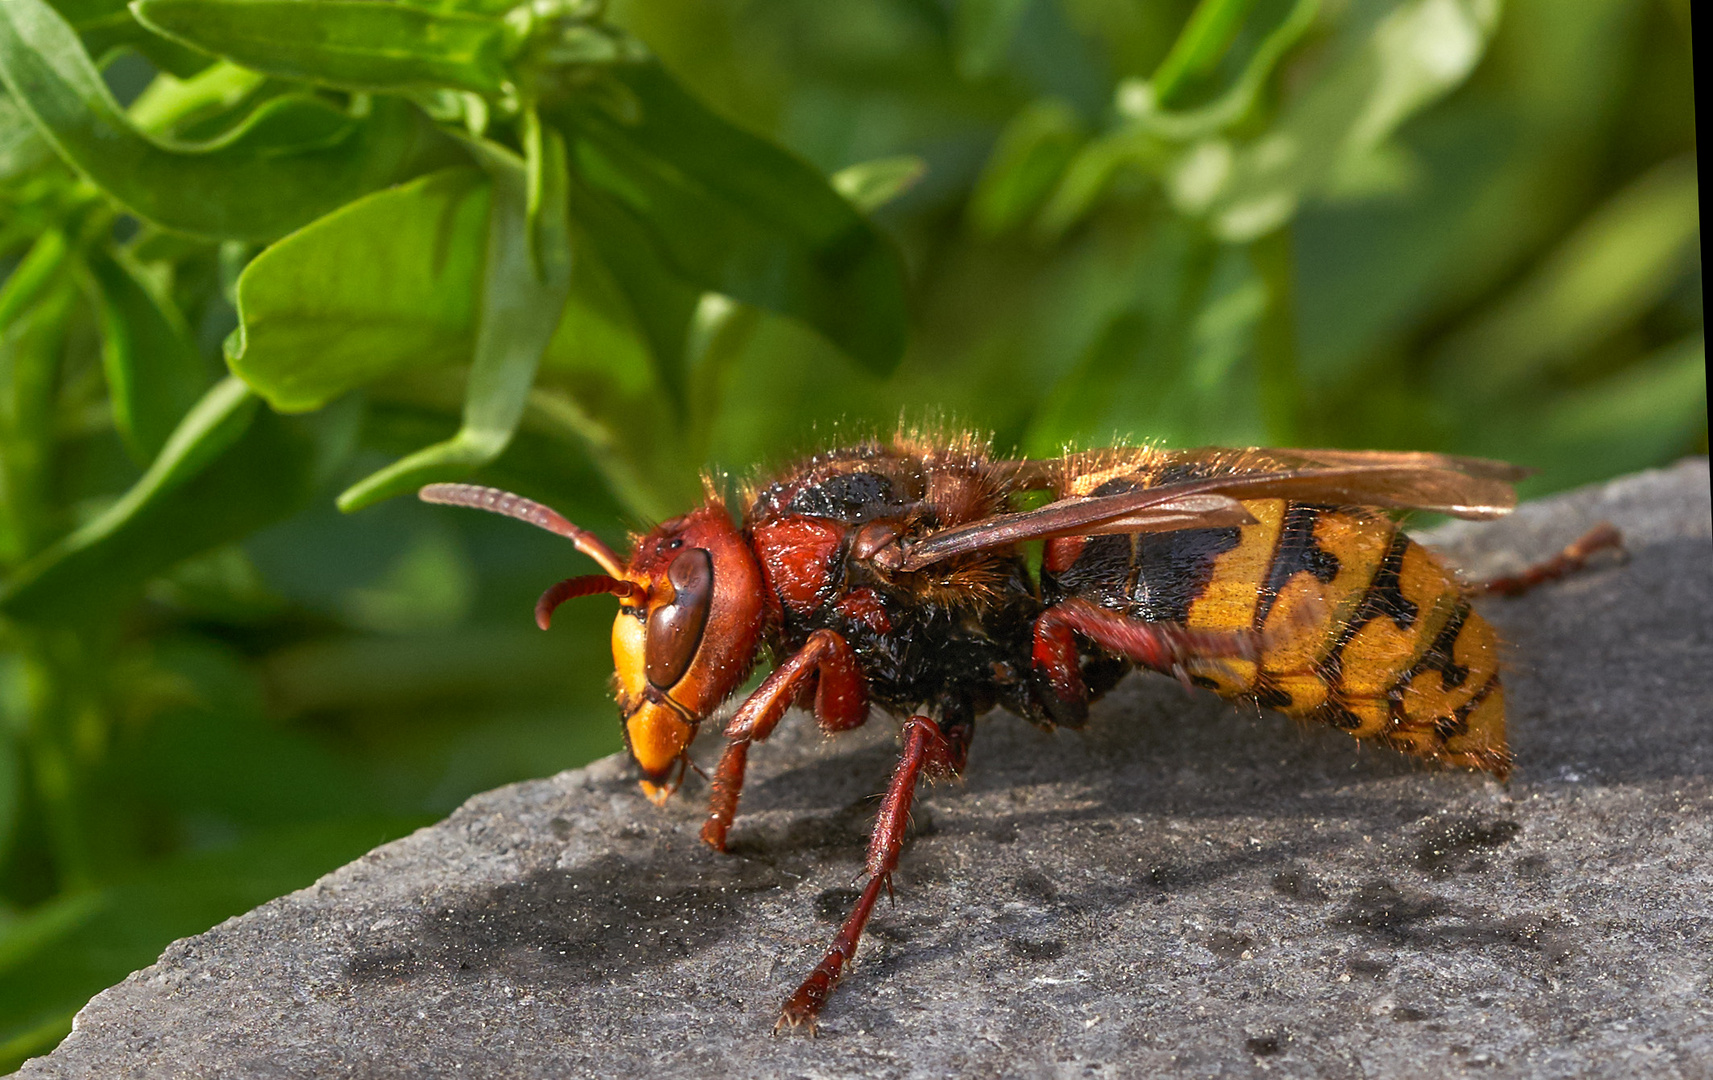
<point>689,621</point>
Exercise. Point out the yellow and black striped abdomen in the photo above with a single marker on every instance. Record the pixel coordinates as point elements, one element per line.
<point>1363,629</point>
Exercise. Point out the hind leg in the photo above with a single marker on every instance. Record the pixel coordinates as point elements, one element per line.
<point>1162,646</point>
<point>1602,537</point>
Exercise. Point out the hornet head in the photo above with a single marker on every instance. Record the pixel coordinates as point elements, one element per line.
<point>688,627</point>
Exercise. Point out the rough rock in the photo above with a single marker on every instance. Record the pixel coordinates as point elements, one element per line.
<point>1181,888</point>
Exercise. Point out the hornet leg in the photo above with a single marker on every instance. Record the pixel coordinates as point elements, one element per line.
<point>826,663</point>
<point>925,749</point>
<point>1573,558</point>
<point>1161,646</point>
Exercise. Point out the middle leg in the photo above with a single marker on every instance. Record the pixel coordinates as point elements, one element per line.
<point>925,750</point>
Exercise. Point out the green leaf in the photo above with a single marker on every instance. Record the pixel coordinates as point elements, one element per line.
<point>382,284</point>
<point>735,214</point>
<point>355,44</point>
<point>107,26</point>
<point>228,469</point>
<point>1027,162</point>
<point>154,374</point>
<point>22,148</point>
<point>1200,44</point>
<point>620,257</point>
<point>168,103</point>
<point>1413,56</point>
<point>526,280</point>
<point>295,159</point>
<point>35,274</point>
<point>1143,102</point>
<point>38,303</point>
<point>870,185</point>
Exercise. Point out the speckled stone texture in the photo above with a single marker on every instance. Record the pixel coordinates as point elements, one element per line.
<point>1181,889</point>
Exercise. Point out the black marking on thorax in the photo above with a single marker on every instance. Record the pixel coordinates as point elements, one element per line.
<point>853,497</point>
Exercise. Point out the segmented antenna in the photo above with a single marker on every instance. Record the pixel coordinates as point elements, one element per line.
<point>588,585</point>
<point>496,501</point>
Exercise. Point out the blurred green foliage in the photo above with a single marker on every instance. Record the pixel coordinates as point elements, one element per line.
<point>263,257</point>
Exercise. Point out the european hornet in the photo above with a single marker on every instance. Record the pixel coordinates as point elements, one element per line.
<point>893,574</point>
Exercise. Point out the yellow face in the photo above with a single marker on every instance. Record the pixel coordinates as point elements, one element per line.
<point>656,733</point>
<point>681,644</point>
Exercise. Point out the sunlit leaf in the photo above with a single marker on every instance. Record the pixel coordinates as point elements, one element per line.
<point>350,43</point>
<point>384,283</point>
<point>295,159</point>
<point>1413,56</point>
<point>869,185</point>
<point>526,278</point>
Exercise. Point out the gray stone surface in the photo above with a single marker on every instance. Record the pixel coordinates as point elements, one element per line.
<point>1181,889</point>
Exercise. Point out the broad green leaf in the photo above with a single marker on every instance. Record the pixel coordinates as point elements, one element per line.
<point>356,44</point>
<point>526,279</point>
<point>621,259</point>
<point>388,285</point>
<point>870,185</point>
<point>735,214</point>
<point>228,469</point>
<point>154,374</point>
<point>295,158</point>
<point>382,284</point>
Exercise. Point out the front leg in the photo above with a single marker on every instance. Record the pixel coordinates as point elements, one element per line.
<point>841,703</point>
<point>925,750</point>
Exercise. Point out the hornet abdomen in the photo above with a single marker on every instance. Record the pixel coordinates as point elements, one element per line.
<point>1361,627</point>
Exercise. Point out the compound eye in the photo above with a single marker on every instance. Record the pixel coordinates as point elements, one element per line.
<point>675,628</point>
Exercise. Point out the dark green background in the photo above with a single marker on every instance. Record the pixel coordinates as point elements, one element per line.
<point>1457,225</point>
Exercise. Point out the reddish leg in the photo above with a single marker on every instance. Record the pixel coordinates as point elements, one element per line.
<point>824,663</point>
<point>1161,646</point>
<point>925,749</point>
<point>1571,559</point>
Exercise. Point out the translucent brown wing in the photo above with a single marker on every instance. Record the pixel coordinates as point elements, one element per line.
<point>1463,487</point>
